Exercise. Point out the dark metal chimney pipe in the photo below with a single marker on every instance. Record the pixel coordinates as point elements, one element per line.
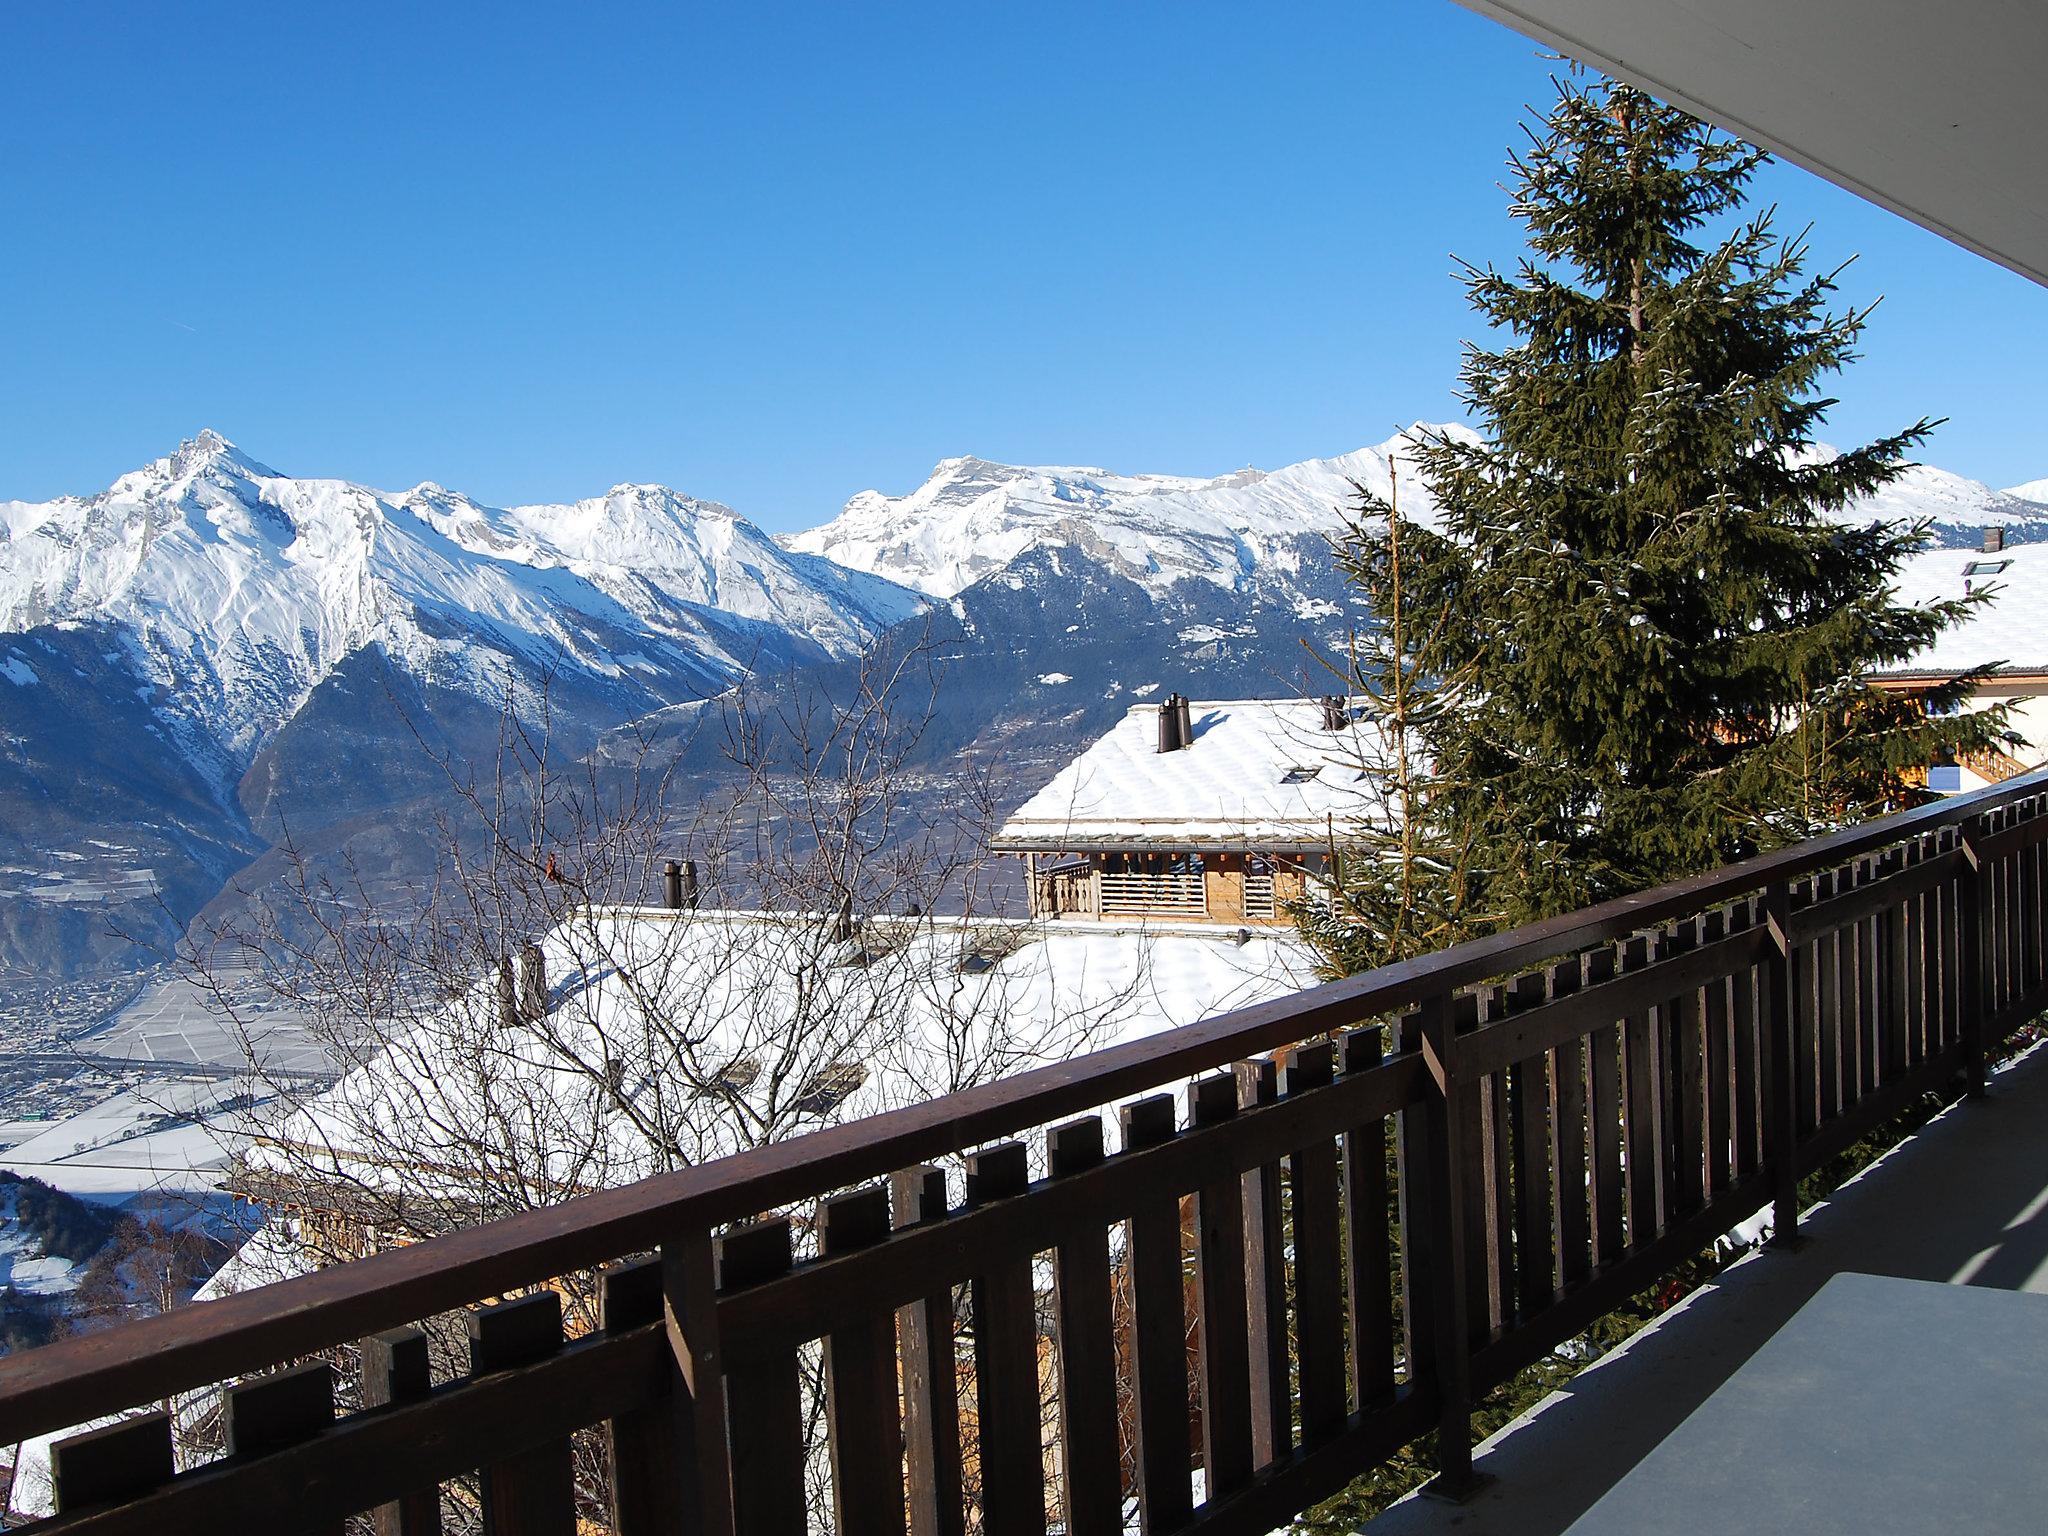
<point>1169,724</point>
<point>672,886</point>
<point>689,885</point>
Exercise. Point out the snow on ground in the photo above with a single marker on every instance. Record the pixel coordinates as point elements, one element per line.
<point>164,1136</point>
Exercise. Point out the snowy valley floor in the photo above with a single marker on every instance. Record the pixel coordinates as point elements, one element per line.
<point>1964,1201</point>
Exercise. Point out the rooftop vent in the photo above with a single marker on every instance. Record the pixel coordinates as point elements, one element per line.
<point>1994,541</point>
<point>1336,713</point>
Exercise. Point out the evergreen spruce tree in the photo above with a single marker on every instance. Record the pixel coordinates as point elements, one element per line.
<point>1663,633</point>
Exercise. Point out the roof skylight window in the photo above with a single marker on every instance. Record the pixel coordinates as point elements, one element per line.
<point>1299,775</point>
<point>1985,567</point>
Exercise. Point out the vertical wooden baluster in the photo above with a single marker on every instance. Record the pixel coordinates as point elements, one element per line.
<point>1805,1021</point>
<point>1941,936</point>
<point>1159,1346</point>
<point>1496,1260</point>
<point>396,1370</point>
<point>1603,1098</point>
<point>931,1374</point>
<point>1687,1037</point>
<point>1779,1003</point>
<point>1445,1109</point>
<point>1640,1106</point>
<point>1368,1274</point>
<point>1471,1154</point>
<point>1827,1008</point>
<point>1914,913</point>
<point>1898,1003</point>
<point>1719,1085</point>
<point>1529,1112</point>
<point>2036,863</point>
<point>1093,1497</point>
<point>113,1465</point>
<point>1952,948</point>
<point>1570,1214</point>
<point>1416,1194</point>
<point>1007,1428</point>
<point>1220,1310</point>
<point>1745,1056</point>
<point>1855,1012</point>
<point>1970,957</point>
<point>649,1493</point>
<point>1265,1261</point>
<point>1318,1266</point>
<point>1992,991</point>
<point>863,1424</point>
<point>531,1491</point>
<point>286,1408</point>
<point>764,1406</point>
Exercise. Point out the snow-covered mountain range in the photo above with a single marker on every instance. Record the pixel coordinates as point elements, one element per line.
<point>238,589</point>
<point>972,518</point>
<point>210,649</point>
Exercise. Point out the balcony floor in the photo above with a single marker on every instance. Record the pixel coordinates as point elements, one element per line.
<point>1965,1201</point>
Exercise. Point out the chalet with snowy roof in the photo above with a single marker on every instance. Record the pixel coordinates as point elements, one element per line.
<point>2009,634</point>
<point>1221,811</point>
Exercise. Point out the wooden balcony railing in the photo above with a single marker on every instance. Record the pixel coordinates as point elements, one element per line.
<point>1572,1109</point>
<point>1154,895</point>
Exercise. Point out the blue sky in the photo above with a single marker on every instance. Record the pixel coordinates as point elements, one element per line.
<point>774,255</point>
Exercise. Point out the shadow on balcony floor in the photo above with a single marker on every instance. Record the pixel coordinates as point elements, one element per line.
<point>1965,1201</point>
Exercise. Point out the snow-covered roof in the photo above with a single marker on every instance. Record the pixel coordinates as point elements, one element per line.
<point>1259,774</point>
<point>720,1020</point>
<point>2010,631</point>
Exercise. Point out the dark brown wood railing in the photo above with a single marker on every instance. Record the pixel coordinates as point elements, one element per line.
<point>1331,1250</point>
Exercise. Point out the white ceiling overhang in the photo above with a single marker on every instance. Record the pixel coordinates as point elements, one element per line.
<point>1935,109</point>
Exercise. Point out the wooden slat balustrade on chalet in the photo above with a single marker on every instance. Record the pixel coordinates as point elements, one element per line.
<point>1562,1115</point>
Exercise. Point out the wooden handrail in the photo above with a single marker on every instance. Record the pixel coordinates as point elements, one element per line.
<point>91,1376</point>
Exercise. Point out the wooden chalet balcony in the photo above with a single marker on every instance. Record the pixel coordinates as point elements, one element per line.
<point>1152,895</point>
<point>1481,1152</point>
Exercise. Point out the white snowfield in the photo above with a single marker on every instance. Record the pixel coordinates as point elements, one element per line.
<point>1261,774</point>
<point>240,588</point>
<point>770,1007</point>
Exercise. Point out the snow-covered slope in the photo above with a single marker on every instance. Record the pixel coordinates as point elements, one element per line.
<point>1958,509</point>
<point>238,589</point>
<point>972,518</point>
<point>2033,490</point>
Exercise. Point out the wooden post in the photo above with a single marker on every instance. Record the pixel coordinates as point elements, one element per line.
<point>1781,1088</point>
